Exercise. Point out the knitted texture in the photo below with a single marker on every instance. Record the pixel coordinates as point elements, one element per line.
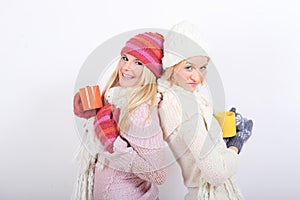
<point>244,131</point>
<point>78,108</point>
<point>208,174</point>
<point>132,172</point>
<point>86,157</point>
<point>106,127</point>
<point>111,184</point>
<point>148,48</point>
<point>183,41</point>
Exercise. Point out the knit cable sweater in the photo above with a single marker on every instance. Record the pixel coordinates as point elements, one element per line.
<point>195,139</point>
<point>132,172</point>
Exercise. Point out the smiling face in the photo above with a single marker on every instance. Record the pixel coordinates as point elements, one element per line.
<point>130,71</point>
<point>191,72</point>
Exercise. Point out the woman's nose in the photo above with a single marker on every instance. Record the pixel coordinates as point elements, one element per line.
<point>201,77</point>
<point>127,66</point>
<point>195,76</point>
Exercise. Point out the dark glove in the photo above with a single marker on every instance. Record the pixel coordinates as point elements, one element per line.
<point>106,127</point>
<point>239,120</point>
<point>244,131</point>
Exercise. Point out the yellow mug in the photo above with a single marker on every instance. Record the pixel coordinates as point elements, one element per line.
<point>227,122</point>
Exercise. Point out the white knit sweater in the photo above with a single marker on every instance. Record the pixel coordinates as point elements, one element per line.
<point>195,140</point>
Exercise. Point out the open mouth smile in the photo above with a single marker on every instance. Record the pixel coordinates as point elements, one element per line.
<point>127,76</point>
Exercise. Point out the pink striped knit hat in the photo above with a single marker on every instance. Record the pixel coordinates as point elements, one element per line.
<point>148,48</point>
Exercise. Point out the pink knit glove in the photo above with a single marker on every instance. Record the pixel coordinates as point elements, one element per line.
<point>78,108</point>
<point>105,126</point>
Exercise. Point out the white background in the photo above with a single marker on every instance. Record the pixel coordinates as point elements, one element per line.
<point>254,45</point>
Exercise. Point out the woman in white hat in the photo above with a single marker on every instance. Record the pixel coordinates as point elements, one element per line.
<point>208,165</point>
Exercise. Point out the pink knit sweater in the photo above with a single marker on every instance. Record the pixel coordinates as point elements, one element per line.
<point>132,172</point>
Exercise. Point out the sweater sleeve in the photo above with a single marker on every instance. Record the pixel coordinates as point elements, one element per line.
<point>216,162</point>
<point>145,156</point>
<point>170,114</point>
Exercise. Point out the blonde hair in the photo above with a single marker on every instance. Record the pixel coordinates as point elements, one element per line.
<point>168,74</point>
<point>144,93</point>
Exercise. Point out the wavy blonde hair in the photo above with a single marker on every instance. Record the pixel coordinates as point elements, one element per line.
<point>144,93</point>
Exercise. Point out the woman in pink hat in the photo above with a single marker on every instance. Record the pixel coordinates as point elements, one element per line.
<point>126,133</point>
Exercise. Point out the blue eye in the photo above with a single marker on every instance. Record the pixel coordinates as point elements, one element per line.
<point>202,68</point>
<point>189,67</point>
<point>138,63</point>
<point>124,58</point>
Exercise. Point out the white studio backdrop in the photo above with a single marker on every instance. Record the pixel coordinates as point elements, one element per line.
<point>254,45</point>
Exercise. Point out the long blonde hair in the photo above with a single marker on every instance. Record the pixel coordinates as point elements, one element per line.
<point>144,93</point>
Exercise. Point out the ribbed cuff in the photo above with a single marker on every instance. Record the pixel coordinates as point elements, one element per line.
<point>237,142</point>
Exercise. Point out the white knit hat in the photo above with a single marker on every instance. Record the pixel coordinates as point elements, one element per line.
<point>182,41</point>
